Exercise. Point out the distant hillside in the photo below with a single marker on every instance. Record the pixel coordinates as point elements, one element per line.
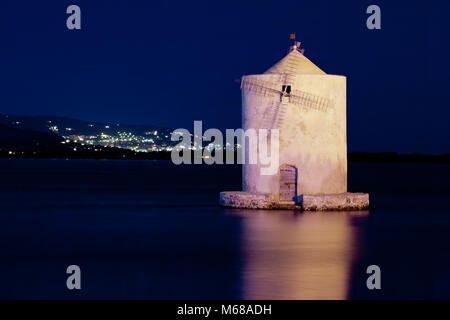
<point>17,143</point>
<point>31,137</point>
<point>67,126</point>
<point>16,139</point>
<point>395,157</point>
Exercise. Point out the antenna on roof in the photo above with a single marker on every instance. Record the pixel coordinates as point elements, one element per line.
<point>296,45</point>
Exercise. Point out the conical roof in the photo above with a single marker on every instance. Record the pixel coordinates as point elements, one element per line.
<point>295,63</point>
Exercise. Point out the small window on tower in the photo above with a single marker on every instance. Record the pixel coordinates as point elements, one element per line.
<point>286,89</point>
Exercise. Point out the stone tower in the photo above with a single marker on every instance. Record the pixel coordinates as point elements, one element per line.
<point>308,107</point>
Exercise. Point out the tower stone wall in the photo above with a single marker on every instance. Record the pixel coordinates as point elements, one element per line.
<point>312,125</point>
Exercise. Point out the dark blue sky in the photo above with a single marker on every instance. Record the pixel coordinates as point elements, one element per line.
<point>170,63</point>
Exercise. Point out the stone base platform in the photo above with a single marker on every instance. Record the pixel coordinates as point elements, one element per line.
<point>319,202</point>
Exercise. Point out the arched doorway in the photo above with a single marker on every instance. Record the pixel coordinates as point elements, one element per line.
<point>288,183</point>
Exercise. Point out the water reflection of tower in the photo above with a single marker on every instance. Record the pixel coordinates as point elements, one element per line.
<point>306,256</point>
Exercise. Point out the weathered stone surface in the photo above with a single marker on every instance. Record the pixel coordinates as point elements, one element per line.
<point>312,138</point>
<point>341,201</point>
<point>323,202</point>
<point>248,200</point>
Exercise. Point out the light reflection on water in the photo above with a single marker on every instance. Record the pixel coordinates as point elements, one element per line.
<point>153,230</point>
<point>299,256</point>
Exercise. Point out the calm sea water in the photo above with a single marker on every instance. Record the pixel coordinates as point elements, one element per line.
<point>153,230</point>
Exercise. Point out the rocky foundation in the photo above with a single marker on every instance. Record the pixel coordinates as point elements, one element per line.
<point>321,202</point>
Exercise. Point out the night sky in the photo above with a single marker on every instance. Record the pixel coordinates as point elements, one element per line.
<point>170,63</point>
